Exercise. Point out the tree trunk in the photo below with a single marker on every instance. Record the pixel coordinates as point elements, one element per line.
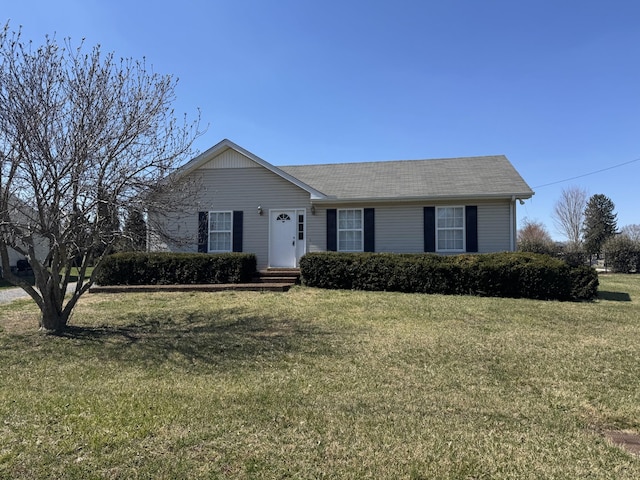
<point>53,316</point>
<point>53,320</point>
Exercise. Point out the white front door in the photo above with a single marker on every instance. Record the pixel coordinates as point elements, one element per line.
<point>283,238</point>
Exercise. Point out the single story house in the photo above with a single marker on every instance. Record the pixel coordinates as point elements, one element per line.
<point>246,204</point>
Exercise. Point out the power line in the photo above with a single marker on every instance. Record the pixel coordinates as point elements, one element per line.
<point>587,174</point>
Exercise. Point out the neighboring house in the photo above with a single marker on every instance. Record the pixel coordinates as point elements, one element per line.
<point>447,206</point>
<point>14,257</point>
<point>18,211</point>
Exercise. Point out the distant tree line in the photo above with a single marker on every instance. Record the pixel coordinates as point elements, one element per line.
<point>590,227</point>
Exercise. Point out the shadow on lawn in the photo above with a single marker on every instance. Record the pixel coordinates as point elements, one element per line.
<point>227,337</point>
<point>614,296</point>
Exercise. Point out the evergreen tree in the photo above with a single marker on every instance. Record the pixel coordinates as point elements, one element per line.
<point>600,223</point>
<point>135,232</point>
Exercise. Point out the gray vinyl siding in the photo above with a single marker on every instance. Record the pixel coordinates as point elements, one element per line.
<point>230,159</point>
<point>13,257</point>
<point>400,229</point>
<point>240,189</point>
<point>494,232</point>
<point>40,249</point>
<point>317,230</point>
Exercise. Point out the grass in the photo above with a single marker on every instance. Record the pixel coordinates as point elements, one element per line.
<point>322,384</point>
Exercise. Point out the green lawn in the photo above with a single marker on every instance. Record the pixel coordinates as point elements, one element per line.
<point>323,384</point>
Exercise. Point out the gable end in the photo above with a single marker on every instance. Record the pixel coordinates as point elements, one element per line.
<point>230,159</point>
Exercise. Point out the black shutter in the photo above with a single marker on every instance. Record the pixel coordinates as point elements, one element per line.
<point>471,226</point>
<point>203,232</point>
<point>429,229</point>
<point>237,231</point>
<point>369,230</point>
<point>332,230</point>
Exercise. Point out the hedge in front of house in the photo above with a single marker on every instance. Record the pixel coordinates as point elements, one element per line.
<point>175,268</point>
<point>518,275</point>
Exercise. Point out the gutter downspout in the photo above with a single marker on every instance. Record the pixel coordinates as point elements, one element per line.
<point>512,221</point>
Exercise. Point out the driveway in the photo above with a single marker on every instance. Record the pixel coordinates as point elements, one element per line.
<point>9,294</point>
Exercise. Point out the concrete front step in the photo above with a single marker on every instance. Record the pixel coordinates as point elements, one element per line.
<point>260,279</point>
<point>278,272</point>
<point>278,275</point>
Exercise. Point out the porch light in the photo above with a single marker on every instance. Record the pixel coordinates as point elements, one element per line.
<point>313,209</point>
<point>259,209</point>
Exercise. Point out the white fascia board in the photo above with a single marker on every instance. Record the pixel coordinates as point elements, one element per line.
<point>328,200</point>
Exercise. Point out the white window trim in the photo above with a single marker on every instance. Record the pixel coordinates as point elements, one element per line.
<point>209,232</point>
<point>361,229</point>
<point>463,229</point>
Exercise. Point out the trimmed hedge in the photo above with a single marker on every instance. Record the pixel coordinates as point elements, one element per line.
<point>574,256</point>
<point>175,268</point>
<point>518,275</point>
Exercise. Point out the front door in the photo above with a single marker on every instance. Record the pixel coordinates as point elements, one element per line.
<point>282,238</point>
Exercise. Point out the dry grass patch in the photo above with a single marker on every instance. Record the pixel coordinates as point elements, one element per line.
<point>629,441</point>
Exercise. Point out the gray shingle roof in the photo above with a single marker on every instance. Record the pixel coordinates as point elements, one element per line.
<point>489,176</point>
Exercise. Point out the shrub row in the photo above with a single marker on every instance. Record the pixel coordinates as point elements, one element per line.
<point>526,275</point>
<point>175,268</point>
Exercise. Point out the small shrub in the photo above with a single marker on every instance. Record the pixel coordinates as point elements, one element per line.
<point>22,265</point>
<point>622,254</point>
<point>538,246</point>
<point>175,268</point>
<point>574,255</point>
<point>584,282</point>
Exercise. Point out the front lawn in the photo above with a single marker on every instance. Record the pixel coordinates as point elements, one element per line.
<point>323,384</point>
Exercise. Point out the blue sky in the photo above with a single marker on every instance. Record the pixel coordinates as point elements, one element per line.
<point>553,85</point>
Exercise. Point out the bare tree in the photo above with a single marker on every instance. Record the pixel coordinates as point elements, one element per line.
<point>82,137</point>
<point>632,231</point>
<point>534,237</point>
<point>568,213</point>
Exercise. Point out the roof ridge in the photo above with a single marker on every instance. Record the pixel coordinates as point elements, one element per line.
<point>377,162</point>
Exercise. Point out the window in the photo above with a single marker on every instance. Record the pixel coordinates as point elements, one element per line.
<point>450,229</point>
<point>350,230</point>
<point>300,227</point>
<point>220,228</point>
